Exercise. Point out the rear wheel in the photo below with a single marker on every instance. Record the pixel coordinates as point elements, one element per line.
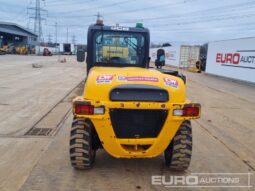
<point>178,153</point>
<point>82,153</point>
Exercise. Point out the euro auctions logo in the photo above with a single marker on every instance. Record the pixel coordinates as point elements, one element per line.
<point>240,58</point>
<point>204,180</point>
<point>228,58</point>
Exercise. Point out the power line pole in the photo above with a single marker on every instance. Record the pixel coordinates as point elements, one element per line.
<point>73,40</point>
<point>56,32</point>
<point>67,35</point>
<point>49,38</point>
<point>38,13</point>
<point>38,5</point>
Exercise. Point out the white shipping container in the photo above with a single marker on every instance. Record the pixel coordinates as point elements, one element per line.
<point>232,58</point>
<point>62,48</point>
<point>72,49</point>
<point>189,55</point>
<point>172,55</point>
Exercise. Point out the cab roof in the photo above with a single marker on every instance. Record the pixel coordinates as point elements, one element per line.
<point>117,28</point>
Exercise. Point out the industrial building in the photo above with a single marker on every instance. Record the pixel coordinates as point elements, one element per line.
<point>14,35</point>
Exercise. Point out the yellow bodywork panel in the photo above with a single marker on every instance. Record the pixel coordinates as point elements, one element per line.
<point>101,80</point>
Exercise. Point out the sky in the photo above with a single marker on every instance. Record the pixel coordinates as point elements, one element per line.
<point>174,21</point>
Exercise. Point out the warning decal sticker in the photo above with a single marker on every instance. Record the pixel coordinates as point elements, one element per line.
<point>171,82</point>
<point>104,79</point>
<point>138,79</point>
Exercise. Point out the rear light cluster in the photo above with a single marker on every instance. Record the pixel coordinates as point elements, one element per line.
<point>189,110</point>
<point>84,108</point>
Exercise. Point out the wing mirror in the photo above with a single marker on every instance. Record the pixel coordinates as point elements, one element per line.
<point>80,55</point>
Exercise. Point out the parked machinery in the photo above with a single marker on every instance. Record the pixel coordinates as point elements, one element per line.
<point>127,108</point>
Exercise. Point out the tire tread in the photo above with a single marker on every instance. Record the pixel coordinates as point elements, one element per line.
<point>178,153</point>
<point>81,144</point>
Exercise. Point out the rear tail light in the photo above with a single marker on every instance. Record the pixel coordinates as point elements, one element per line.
<point>84,108</point>
<point>81,108</point>
<point>189,110</point>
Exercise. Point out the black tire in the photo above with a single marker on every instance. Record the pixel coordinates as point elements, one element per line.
<point>82,153</point>
<point>178,153</point>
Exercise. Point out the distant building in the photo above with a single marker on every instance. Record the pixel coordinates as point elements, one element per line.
<point>12,34</point>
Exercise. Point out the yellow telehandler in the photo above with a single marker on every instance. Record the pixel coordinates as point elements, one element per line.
<point>128,108</point>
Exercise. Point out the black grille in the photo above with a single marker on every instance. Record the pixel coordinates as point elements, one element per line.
<point>133,123</point>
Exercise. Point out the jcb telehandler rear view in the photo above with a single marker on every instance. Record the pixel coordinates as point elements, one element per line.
<point>128,108</point>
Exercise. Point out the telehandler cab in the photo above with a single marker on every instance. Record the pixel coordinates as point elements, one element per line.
<point>128,108</point>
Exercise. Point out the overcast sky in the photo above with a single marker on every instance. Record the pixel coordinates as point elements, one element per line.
<point>176,21</point>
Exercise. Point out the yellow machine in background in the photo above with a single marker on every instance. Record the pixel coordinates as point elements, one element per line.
<point>111,51</point>
<point>4,49</point>
<point>15,50</point>
<point>195,66</point>
<point>21,50</point>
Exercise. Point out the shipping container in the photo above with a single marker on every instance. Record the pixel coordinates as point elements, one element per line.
<point>232,58</point>
<point>189,55</point>
<point>66,48</point>
<point>183,56</point>
<point>172,55</point>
